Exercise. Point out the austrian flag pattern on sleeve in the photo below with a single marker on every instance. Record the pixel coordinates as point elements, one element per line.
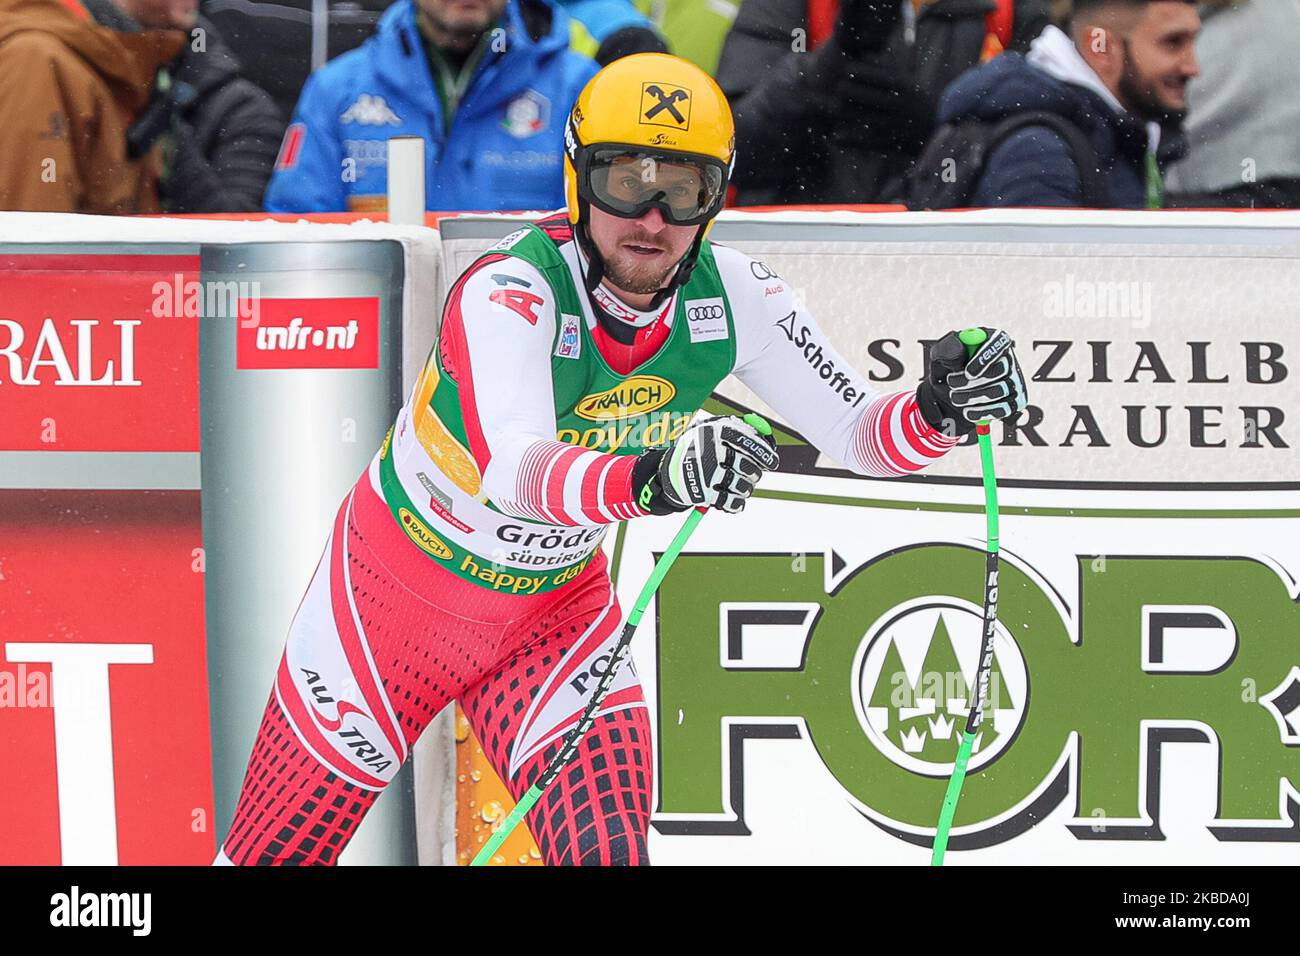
<point>892,439</point>
<point>560,484</point>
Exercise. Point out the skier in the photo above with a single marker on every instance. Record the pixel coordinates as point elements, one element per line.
<point>558,400</point>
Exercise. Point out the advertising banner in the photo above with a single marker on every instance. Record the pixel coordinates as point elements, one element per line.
<point>103,680</point>
<point>812,661</point>
<point>97,352</point>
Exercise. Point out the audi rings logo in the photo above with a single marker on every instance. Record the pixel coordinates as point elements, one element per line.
<point>706,319</point>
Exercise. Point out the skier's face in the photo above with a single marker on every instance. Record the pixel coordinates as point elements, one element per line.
<point>639,254</point>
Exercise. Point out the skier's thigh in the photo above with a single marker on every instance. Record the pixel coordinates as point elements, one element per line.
<point>597,811</point>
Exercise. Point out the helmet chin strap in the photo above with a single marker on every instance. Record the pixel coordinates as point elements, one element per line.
<point>595,272</point>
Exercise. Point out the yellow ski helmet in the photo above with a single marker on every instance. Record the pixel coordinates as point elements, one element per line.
<point>649,131</point>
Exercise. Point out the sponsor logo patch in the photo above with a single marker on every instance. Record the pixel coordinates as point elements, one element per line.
<point>570,140</point>
<point>527,115</point>
<point>510,241</point>
<point>353,742</point>
<point>445,514</point>
<point>311,333</point>
<point>569,344</point>
<point>663,104</point>
<point>521,303</point>
<point>441,505</point>
<point>641,433</point>
<point>706,319</point>
<point>635,396</point>
<point>801,337</point>
<point>613,306</point>
<point>417,531</point>
<point>438,494</point>
<point>370,110</point>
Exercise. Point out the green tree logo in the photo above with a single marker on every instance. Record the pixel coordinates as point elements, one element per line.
<point>913,678</point>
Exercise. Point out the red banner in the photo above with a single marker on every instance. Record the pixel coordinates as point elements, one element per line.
<point>104,747</point>
<point>94,354</point>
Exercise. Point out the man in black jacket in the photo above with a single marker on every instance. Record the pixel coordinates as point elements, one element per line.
<point>843,121</point>
<point>219,132</point>
<point>226,132</point>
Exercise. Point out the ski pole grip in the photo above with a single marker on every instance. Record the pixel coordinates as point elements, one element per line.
<point>972,339</point>
<point>759,423</point>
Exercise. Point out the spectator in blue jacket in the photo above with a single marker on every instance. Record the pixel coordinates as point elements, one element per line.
<point>1119,76</point>
<point>486,83</point>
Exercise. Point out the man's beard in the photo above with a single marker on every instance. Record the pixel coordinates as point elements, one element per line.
<point>636,278</point>
<point>1139,94</point>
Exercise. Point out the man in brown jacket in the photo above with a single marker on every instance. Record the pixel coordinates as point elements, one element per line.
<point>69,90</point>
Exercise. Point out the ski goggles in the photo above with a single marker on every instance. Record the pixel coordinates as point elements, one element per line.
<point>629,181</point>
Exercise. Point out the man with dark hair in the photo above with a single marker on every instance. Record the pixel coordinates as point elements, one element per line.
<point>1143,51</point>
<point>1114,91</point>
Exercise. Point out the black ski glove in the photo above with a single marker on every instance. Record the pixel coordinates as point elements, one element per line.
<point>957,392</point>
<point>716,462</point>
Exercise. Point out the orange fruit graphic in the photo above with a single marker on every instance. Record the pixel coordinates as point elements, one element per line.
<point>452,458</point>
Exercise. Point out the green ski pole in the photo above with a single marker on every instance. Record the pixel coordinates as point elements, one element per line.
<point>621,649</point>
<point>973,339</point>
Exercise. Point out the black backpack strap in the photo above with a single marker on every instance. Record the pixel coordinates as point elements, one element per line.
<point>1093,191</point>
<point>926,185</point>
